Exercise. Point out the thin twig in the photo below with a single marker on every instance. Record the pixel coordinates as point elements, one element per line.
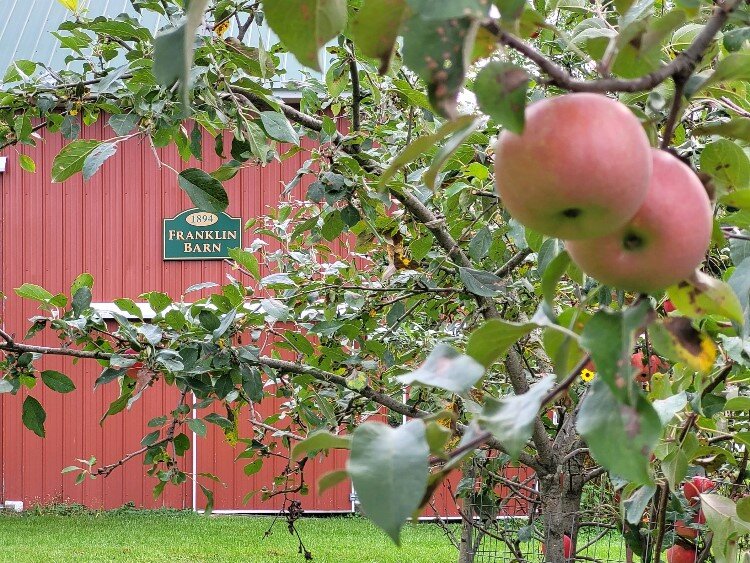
<point>674,111</point>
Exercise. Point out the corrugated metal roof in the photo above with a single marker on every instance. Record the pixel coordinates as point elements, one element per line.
<point>26,28</point>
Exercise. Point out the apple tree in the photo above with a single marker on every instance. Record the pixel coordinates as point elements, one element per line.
<point>539,189</point>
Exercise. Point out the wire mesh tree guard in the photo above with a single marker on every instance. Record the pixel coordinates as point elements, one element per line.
<point>507,524</point>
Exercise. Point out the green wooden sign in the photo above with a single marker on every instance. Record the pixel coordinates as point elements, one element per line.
<point>199,235</point>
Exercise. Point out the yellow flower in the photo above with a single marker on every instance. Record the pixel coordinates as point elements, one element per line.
<point>587,375</point>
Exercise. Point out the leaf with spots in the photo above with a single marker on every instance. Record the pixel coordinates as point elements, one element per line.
<point>727,164</point>
<point>679,341</point>
<point>444,9</point>
<point>703,295</point>
<point>439,51</point>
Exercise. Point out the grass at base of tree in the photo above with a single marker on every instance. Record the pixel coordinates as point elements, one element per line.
<point>72,533</point>
<point>187,537</point>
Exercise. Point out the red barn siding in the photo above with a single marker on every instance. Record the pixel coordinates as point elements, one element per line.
<point>111,227</point>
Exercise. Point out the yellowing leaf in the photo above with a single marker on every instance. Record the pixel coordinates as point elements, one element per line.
<point>222,28</point>
<point>703,295</point>
<point>71,5</point>
<point>678,340</point>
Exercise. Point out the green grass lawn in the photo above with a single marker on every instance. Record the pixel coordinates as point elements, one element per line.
<point>173,537</point>
<point>63,534</point>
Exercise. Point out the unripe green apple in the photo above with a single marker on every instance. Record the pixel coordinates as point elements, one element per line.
<point>663,243</point>
<point>580,169</point>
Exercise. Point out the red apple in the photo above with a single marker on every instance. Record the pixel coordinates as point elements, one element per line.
<point>700,518</point>
<point>683,530</point>
<point>697,485</point>
<point>681,554</point>
<point>663,243</point>
<point>580,169</point>
<point>645,371</point>
<point>567,547</point>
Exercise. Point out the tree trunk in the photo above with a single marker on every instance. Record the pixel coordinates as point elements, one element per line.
<point>467,549</point>
<point>561,500</point>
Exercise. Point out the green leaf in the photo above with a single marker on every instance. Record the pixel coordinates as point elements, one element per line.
<point>704,295</point>
<point>277,126</point>
<point>423,144</point>
<point>500,89</point>
<point>181,444</point>
<point>198,426</point>
<point>124,123</point>
<point>738,404</point>
<point>70,159</point>
<point>480,282</point>
<point>247,260</point>
<point>27,163</point>
<point>205,191</point>
<point>736,128</point>
<point>320,440</point>
<point>445,152</point>
<point>726,163</point>
<point>743,509</point>
<point>735,66</point>
<point>447,9</point>
<point>34,292</point>
<point>610,337</point>
<point>81,301</point>
<point>96,158</point>
<point>253,467</point>
<point>552,274</point>
<point>388,467</point>
<point>723,521</point>
<point>129,306</point>
<point>304,26</point>
<point>173,51</point>
<point>439,51</point>
<point>494,338</point>
<point>621,437</point>
<point>33,416</point>
<point>511,419</point>
<point>57,381</point>
<point>636,503</point>
<point>150,438</point>
<point>209,494</point>
<point>735,39</point>
<point>83,280</point>
<point>669,407</point>
<point>158,300</point>
<point>446,368</point>
<point>376,27</point>
<point>331,479</point>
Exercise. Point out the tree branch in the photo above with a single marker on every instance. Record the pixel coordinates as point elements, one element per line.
<point>674,111</point>
<point>356,91</point>
<point>684,63</point>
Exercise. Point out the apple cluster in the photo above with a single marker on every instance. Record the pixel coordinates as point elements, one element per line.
<point>633,217</point>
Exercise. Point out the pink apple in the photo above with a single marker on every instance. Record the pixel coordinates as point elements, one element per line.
<point>580,169</point>
<point>663,243</point>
